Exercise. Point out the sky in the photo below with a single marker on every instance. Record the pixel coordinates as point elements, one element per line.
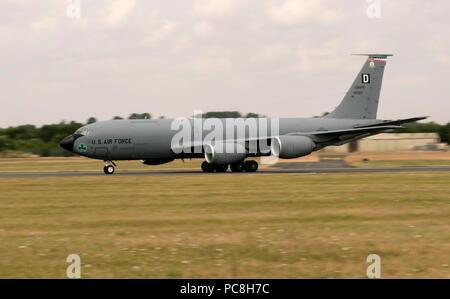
<point>280,58</point>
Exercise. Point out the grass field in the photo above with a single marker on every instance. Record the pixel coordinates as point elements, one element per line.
<point>399,159</point>
<point>227,226</point>
<point>400,163</point>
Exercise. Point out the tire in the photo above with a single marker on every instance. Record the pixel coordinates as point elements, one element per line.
<point>251,166</point>
<point>206,167</point>
<point>237,167</point>
<point>108,169</point>
<point>221,168</point>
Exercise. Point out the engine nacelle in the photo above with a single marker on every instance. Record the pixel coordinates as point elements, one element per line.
<point>156,161</point>
<point>290,147</point>
<point>221,153</point>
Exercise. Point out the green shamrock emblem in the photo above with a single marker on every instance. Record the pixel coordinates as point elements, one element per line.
<point>82,147</point>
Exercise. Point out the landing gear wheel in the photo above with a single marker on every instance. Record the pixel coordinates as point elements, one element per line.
<point>206,167</point>
<point>251,166</point>
<point>237,167</point>
<point>108,169</point>
<point>221,167</point>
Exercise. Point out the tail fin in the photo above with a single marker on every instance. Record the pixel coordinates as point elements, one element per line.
<point>361,101</point>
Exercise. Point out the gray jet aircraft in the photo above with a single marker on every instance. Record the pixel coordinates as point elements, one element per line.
<point>152,141</point>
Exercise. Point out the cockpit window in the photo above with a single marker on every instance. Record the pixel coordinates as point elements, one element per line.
<point>83,131</point>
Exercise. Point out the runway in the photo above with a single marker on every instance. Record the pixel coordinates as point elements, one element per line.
<point>199,172</point>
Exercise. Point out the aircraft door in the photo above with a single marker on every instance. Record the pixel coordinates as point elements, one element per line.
<point>122,151</point>
<point>101,152</point>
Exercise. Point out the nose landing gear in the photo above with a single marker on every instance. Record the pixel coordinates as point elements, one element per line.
<point>109,167</point>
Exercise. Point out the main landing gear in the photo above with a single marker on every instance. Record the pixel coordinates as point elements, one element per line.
<point>109,167</point>
<point>247,166</point>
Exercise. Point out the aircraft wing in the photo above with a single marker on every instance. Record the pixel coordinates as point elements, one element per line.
<point>317,136</point>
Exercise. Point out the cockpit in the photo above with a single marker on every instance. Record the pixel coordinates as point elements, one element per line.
<point>68,142</point>
<point>83,132</point>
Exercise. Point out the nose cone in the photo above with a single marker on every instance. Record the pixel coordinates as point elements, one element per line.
<point>67,143</point>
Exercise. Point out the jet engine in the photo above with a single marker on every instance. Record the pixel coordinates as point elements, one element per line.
<point>224,153</point>
<point>156,161</point>
<point>290,147</point>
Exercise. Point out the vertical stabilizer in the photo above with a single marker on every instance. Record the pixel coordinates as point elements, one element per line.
<point>361,100</point>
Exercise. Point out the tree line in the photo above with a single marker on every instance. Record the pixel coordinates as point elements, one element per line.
<point>44,140</point>
<point>430,127</point>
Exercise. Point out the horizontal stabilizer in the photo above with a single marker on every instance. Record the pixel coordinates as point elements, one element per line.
<point>394,122</point>
<point>375,56</point>
<point>349,131</point>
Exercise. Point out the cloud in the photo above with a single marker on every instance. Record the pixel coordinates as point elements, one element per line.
<point>439,46</point>
<point>298,11</point>
<point>203,29</point>
<point>271,53</point>
<point>409,80</point>
<point>213,7</point>
<point>312,58</point>
<point>119,12</point>
<point>242,53</point>
<point>162,32</point>
<point>208,65</point>
<point>44,24</point>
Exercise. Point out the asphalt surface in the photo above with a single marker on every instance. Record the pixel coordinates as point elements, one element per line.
<point>199,172</point>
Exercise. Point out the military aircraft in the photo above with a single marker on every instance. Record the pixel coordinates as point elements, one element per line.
<point>152,141</point>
